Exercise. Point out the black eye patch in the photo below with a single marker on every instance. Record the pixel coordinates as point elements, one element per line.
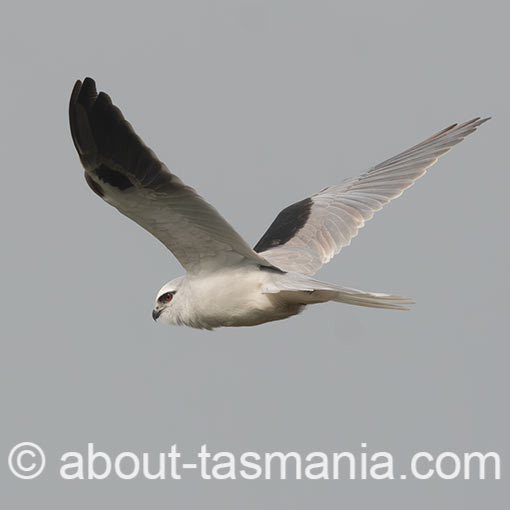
<point>166,297</point>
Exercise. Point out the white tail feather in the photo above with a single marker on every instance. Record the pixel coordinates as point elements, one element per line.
<point>303,289</point>
<point>372,299</point>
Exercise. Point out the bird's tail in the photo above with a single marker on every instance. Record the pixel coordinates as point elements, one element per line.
<point>305,290</point>
<point>371,299</point>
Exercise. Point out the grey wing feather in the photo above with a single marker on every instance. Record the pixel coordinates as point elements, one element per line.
<point>327,221</point>
<point>121,169</point>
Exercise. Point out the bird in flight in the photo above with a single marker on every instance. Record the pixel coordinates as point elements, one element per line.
<point>227,283</point>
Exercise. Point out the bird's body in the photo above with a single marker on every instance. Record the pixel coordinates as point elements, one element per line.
<point>229,297</point>
<point>248,295</point>
<point>228,283</point>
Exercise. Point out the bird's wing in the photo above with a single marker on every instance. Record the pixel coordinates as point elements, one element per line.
<point>307,234</point>
<point>123,171</point>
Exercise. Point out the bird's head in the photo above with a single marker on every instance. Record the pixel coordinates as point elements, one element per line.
<point>165,309</point>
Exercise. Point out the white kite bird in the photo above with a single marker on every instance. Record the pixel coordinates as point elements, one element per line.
<point>227,283</point>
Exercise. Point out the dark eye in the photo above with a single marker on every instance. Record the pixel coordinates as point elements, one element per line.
<point>166,297</point>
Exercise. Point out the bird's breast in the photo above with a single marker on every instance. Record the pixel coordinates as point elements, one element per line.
<point>232,297</point>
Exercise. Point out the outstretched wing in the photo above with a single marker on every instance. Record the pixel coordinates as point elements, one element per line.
<point>307,234</point>
<point>123,171</point>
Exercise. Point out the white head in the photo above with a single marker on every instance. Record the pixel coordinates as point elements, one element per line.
<point>167,308</point>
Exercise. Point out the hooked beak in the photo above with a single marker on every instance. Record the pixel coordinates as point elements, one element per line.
<point>156,314</point>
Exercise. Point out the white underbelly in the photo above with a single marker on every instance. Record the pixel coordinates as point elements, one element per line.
<point>233,298</point>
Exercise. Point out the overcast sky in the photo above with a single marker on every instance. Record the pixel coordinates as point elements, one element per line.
<point>256,104</point>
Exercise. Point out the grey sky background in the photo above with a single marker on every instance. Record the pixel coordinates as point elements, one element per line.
<point>257,104</point>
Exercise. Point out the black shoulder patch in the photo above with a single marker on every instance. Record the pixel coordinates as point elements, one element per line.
<point>94,186</point>
<point>113,177</point>
<point>272,269</point>
<point>286,225</point>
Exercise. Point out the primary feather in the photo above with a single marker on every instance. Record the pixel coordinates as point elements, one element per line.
<point>320,226</point>
<point>123,171</point>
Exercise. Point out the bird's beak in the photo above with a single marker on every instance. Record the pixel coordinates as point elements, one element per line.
<point>156,314</point>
